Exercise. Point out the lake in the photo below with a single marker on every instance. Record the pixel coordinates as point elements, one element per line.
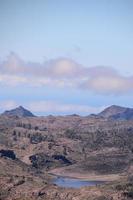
<point>74,183</point>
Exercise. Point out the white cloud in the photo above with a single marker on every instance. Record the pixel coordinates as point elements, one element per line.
<point>12,80</point>
<point>62,68</point>
<point>13,64</point>
<point>63,72</point>
<point>109,85</point>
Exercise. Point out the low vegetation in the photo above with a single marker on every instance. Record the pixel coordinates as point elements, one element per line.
<point>31,146</point>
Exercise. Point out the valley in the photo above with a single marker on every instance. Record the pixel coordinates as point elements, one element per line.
<point>92,148</point>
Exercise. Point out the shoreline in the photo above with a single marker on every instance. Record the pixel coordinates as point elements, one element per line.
<point>82,176</point>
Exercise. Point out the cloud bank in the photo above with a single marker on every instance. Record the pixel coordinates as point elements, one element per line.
<point>64,72</point>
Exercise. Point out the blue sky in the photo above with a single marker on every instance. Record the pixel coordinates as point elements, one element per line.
<point>63,57</point>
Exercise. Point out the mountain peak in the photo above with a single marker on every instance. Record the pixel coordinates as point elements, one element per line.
<point>21,108</point>
<point>117,112</point>
<point>115,107</point>
<point>19,112</point>
<point>112,110</point>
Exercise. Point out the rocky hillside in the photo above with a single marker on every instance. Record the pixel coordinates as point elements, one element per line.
<point>117,112</point>
<point>19,112</point>
<point>30,147</point>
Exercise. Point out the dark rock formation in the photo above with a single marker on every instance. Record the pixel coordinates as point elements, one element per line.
<point>19,112</point>
<point>41,160</point>
<point>62,159</point>
<point>8,154</point>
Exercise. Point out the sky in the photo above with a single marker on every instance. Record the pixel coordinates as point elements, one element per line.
<point>66,56</point>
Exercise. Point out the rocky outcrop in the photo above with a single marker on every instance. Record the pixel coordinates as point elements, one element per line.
<point>7,154</point>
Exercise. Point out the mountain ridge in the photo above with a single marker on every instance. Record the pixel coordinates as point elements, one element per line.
<point>19,112</point>
<point>111,112</point>
<point>117,112</point>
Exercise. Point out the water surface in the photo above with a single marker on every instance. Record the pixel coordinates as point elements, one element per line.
<point>74,183</point>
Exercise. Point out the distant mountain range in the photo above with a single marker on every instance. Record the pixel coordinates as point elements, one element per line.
<point>113,112</point>
<point>19,112</point>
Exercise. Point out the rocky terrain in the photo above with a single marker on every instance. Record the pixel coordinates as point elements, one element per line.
<point>95,146</point>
